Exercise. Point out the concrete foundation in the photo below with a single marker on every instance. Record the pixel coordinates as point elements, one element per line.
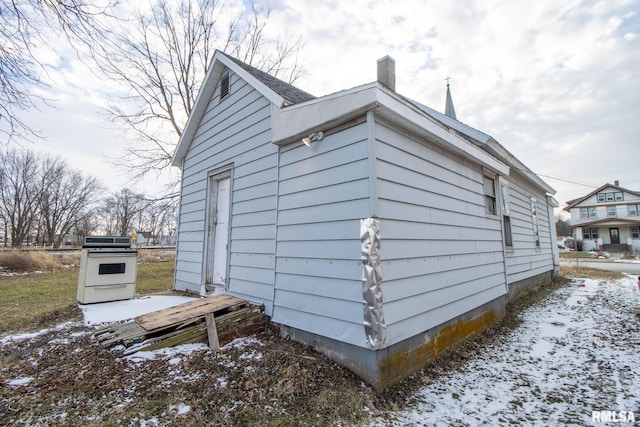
<point>385,367</point>
<point>529,284</point>
<point>388,366</point>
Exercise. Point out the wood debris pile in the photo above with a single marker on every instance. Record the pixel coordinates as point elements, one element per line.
<point>217,320</point>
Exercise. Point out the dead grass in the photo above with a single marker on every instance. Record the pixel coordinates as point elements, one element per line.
<point>146,256</point>
<point>590,273</point>
<point>29,261</point>
<point>30,300</point>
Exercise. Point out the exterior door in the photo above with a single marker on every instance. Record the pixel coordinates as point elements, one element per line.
<point>218,229</point>
<point>614,233</point>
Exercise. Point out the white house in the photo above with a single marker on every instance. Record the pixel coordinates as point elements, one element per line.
<point>370,226</point>
<point>607,219</point>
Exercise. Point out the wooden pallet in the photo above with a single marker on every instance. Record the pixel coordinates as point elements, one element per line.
<point>186,323</point>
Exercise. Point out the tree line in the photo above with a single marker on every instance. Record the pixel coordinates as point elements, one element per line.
<point>156,54</point>
<point>43,201</point>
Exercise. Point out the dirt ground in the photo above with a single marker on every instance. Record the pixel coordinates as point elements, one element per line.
<point>62,376</point>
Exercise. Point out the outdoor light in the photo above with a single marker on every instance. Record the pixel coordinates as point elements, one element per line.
<point>314,137</point>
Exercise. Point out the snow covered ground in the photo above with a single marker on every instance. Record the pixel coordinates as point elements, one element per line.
<point>572,357</point>
<point>114,311</point>
<point>572,360</point>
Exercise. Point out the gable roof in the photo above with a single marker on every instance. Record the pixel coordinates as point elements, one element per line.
<point>275,90</point>
<point>573,202</point>
<point>297,112</point>
<point>290,94</point>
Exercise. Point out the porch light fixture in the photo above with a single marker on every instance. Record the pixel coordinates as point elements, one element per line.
<point>314,137</point>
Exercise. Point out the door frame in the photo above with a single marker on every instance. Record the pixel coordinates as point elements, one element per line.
<point>617,235</point>
<point>213,179</point>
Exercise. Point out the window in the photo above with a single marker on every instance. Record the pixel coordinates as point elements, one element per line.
<point>489,185</point>
<point>588,212</point>
<point>635,232</point>
<point>534,220</point>
<point>612,211</point>
<point>590,233</point>
<point>610,197</point>
<point>632,210</point>
<point>224,86</point>
<point>508,240</point>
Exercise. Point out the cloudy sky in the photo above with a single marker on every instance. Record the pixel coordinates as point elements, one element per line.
<point>555,82</point>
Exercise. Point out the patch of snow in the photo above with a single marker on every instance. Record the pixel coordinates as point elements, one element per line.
<point>564,361</point>
<point>180,409</point>
<point>20,381</point>
<point>32,335</point>
<point>114,311</point>
<point>171,352</point>
<point>240,343</point>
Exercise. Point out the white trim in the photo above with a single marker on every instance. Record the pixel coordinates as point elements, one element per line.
<point>292,123</point>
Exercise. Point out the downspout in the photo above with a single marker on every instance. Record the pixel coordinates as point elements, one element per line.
<point>553,237</point>
<point>275,246</point>
<point>177,231</point>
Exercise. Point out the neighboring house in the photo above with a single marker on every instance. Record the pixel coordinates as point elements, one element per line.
<point>370,226</point>
<point>607,219</point>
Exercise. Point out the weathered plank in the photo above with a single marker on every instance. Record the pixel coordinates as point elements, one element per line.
<point>126,334</point>
<point>181,313</point>
<point>212,332</point>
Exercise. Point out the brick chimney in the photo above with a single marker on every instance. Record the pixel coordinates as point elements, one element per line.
<point>387,72</point>
<point>616,183</point>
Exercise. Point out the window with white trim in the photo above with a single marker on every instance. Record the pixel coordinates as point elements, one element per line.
<point>489,187</point>
<point>590,233</point>
<point>635,232</point>
<point>508,238</point>
<point>612,211</point>
<point>616,196</point>
<point>632,210</point>
<point>588,212</point>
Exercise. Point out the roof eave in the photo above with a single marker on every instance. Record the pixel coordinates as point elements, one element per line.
<point>292,123</point>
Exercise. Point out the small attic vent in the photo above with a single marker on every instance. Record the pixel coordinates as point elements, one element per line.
<point>224,86</point>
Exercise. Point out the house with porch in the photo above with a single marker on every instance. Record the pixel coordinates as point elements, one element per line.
<point>607,219</point>
<point>370,226</point>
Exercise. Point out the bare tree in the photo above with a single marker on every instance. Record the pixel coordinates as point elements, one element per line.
<point>157,218</point>
<point>119,211</point>
<point>19,193</point>
<point>23,26</point>
<point>161,60</point>
<point>88,224</point>
<point>66,199</point>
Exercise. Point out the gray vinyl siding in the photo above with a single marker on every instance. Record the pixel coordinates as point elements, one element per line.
<point>235,131</point>
<point>524,260</point>
<point>441,254</point>
<point>323,195</point>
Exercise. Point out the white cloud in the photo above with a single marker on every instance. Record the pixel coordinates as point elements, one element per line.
<point>554,82</point>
